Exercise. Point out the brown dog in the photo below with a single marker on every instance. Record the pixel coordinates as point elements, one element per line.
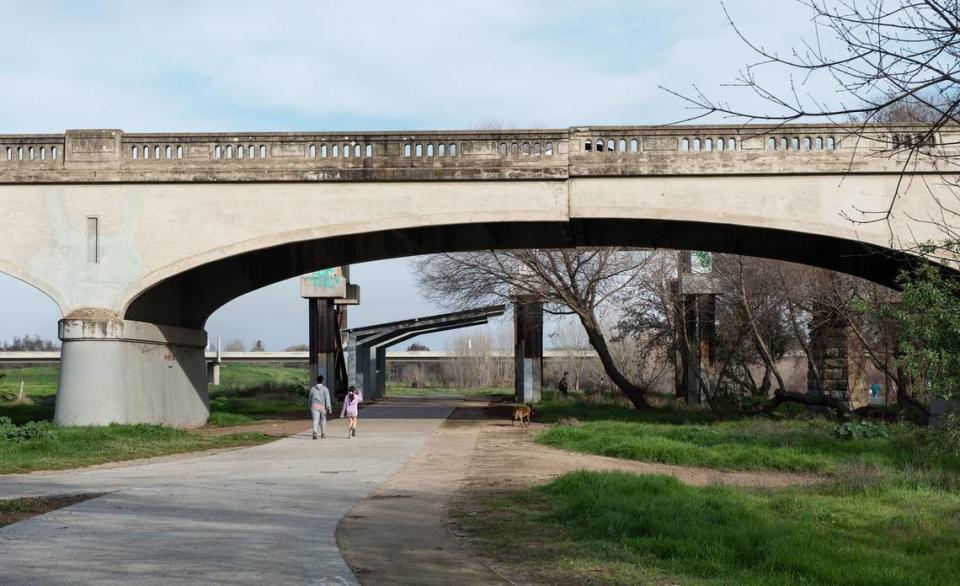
<point>521,413</point>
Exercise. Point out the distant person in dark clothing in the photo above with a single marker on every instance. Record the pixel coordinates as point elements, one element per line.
<point>563,386</point>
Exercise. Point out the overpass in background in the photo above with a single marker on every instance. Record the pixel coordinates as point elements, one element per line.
<point>139,238</point>
<point>401,356</point>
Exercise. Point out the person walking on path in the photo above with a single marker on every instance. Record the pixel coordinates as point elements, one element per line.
<point>319,401</point>
<point>354,397</point>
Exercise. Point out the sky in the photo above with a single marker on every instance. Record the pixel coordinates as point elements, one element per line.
<point>194,66</point>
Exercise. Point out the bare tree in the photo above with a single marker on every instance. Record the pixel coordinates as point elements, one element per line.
<point>236,345</point>
<point>575,281</point>
<point>880,55</point>
<point>890,62</point>
<point>571,338</point>
<point>29,343</point>
<point>472,363</point>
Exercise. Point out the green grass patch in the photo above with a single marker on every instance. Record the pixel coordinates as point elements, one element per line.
<point>634,528</point>
<point>248,393</point>
<point>251,375</point>
<point>696,438</point>
<point>395,390</point>
<point>45,446</point>
<point>38,381</point>
<point>222,419</point>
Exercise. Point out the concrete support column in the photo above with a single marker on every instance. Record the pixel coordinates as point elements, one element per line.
<point>839,359</point>
<point>213,373</point>
<point>324,329</point>
<point>528,349</point>
<point>697,328</point>
<point>121,371</point>
<point>380,364</point>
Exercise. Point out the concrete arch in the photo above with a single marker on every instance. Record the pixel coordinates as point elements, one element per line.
<point>187,299</point>
<point>274,231</point>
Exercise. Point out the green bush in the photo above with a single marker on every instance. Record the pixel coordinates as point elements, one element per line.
<point>855,430</point>
<point>31,430</point>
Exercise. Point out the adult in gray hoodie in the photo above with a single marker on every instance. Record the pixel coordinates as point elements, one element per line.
<point>319,400</point>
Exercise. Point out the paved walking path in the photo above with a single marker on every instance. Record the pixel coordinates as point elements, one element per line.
<point>261,515</point>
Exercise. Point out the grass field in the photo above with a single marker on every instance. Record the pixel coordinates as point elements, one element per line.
<point>38,381</point>
<point>250,375</point>
<point>247,393</point>
<point>698,439</point>
<point>29,440</point>
<point>887,513</point>
<point>44,446</point>
<point>618,528</point>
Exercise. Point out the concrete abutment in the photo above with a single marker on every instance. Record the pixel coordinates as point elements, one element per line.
<point>122,371</point>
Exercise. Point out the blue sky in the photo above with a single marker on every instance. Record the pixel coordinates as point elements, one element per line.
<point>318,65</point>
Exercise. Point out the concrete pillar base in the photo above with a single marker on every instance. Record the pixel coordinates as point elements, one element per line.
<point>213,373</point>
<point>120,371</point>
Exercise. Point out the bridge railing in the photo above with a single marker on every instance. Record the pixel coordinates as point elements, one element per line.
<point>501,154</point>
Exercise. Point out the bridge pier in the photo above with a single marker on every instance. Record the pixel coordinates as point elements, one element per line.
<point>121,371</point>
<point>695,293</point>
<point>839,358</point>
<point>528,349</point>
<point>324,330</point>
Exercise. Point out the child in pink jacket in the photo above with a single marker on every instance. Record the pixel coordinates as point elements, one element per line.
<point>354,397</point>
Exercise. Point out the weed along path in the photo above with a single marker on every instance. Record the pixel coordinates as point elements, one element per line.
<point>260,515</point>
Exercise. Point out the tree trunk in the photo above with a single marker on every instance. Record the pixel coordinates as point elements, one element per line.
<point>599,343</point>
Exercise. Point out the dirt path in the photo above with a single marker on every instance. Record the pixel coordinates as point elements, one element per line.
<point>400,534</point>
<point>403,533</point>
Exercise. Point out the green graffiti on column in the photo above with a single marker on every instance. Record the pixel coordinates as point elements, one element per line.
<point>326,278</point>
<point>701,261</point>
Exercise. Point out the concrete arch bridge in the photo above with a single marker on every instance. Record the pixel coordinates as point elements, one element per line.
<point>138,238</point>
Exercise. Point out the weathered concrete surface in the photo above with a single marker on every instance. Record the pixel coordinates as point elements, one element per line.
<point>131,372</point>
<point>263,515</point>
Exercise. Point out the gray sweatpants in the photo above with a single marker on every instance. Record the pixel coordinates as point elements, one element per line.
<point>319,417</point>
